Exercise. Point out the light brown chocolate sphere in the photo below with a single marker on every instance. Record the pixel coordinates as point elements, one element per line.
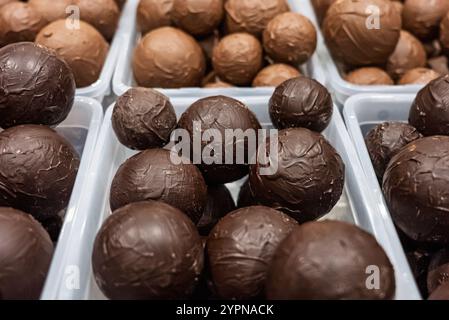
<point>51,10</point>
<point>274,75</point>
<point>101,14</point>
<point>368,76</point>
<point>422,17</point>
<point>419,76</point>
<point>444,33</point>
<point>153,14</point>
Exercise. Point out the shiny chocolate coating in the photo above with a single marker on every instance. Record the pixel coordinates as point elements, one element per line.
<point>369,76</point>
<point>275,74</point>
<point>438,272</point>
<point>422,17</point>
<point>153,14</point>
<point>419,76</point>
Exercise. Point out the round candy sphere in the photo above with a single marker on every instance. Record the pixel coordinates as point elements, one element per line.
<point>274,74</point>
<point>422,17</point>
<point>367,76</point>
<point>419,76</point>
<point>153,14</point>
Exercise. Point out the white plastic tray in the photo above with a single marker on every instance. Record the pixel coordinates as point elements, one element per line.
<point>124,79</point>
<point>355,206</point>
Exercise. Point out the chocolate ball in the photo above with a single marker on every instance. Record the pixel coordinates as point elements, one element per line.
<point>168,58</point>
<point>51,10</point>
<point>415,184</point>
<point>301,102</point>
<point>348,37</point>
<point>429,112</point>
<point>38,169</point>
<point>438,272</point>
<point>274,74</point>
<point>221,114</point>
<point>147,250</point>
<point>153,14</point>
<point>444,33</point>
<point>143,118</point>
<point>290,38</point>
<point>36,87</point>
<point>309,179</point>
<point>419,76</point>
<point>237,58</point>
<point>101,14</point>
<point>439,64</point>
<point>240,249</point>
<point>329,260</point>
<point>83,48</point>
<point>441,293</point>
<point>387,139</point>
<point>152,175</point>
<point>3,2</point>
<point>320,7</point>
<point>369,76</point>
<point>423,18</point>
<point>26,253</point>
<point>246,198</point>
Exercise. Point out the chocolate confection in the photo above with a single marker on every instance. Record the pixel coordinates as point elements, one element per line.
<point>168,58</point>
<point>240,249</point>
<point>419,263</point>
<point>301,102</point>
<point>387,139</point>
<point>274,74</point>
<point>415,183</point>
<point>398,5</point>
<point>310,176</point>
<point>237,58</point>
<point>220,113</point>
<point>348,38</point>
<point>37,170</point>
<point>3,2</point>
<point>83,48</point>
<point>433,48</point>
<point>152,175</point>
<point>318,254</point>
<point>51,10</point>
<point>36,87</point>
<point>246,199</point>
<point>369,76</point>
<point>441,293</point>
<point>321,7</point>
<point>419,76</point>
<point>101,14</point>
<point>423,19</point>
<point>153,14</point>
<point>143,118</point>
<point>439,64</point>
<point>290,38</point>
<point>26,253</point>
<point>429,112</point>
<point>438,271</point>
<point>147,250</point>
<point>444,33</point>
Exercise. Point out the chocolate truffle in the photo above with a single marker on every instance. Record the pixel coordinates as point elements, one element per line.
<point>419,76</point>
<point>237,58</point>
<point>51,10</point>
<point>415,186</point>
<point>441,293</point>
<point>153,14</point>
<point>143,118</point>
<point>438,272</point>
<point>350,40</point>
<point>37,170</point>
<point>329,260</point>
<point>301,102</point>
<point>26,253</point>
<point>83,48</point>
<point>320,7</point>
<point>219,203</point>
<point>221,114</point>
<point>439,64</point>
<point>36,87</point>
<point>101,14</point>
<point>19,22</point>
<point>252,16</point>
<point>246,199</point>
<point>387,139</point>
<point>369,76</point>
<point>274,75</point>
<point>240,249</point>
<point>290,38</point>
<point>147,250</point>
<point>152,175</point>
<point>423,18</point>
<point>444,33</point>
<point>309,179</point>
<point>168,58</point>
<point>429,112</point>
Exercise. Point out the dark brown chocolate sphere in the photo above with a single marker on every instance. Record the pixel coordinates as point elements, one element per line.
<point>369,76</point>
<point>275,74</point>
<point>220,113</point>
<point>153,14</point>
<point>301,102</point>
<point>321,7</point>
<point>147,250</point>
<point>38,169</point>
<point>290,38</point>
<point>329,260</point>
<point>101,14</point>
<point>309,178</point>
<point>26,253</point>
<point>438,272</point>
<point>143,118</point>
<point>415,186</point>
<point>422,17</point>
<point>152,175</point>
<point>444,33</point>
<point>36,87</point>
<point>419,76</point>
<point>237,58</point>
<point>350,40</point>
<point>52,10</point>
<point>387,139</point>
<point>441,293</point>
<point>240,249</point>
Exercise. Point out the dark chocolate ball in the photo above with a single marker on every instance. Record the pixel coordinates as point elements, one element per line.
<point>438,272</point>
<point>153,14</point>
<point>415,185</point>
<point>36,87</point>
<point>387,139</point>
<point>309,178</point>
<point>301,102</point>
<point>240,249</point>
<point>143,118</point>
<point>152,175</point>
<point>423,18</point>
<point>147,250</point>
<point>441,293</point>
<point>38,169</point>
<point>369,76</point>
<point>26,253</point>
<point>329,260</point>
<point>220,113</point>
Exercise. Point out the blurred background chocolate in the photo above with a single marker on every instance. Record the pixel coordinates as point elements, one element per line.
<point>419,76</point>
<point>369,76</point>
<point>423,18</point>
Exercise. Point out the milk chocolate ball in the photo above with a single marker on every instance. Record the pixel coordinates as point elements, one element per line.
<point>83,48</point>
<point>438,272</point>
<point>274,75</point>
<point>439,64</point>
<point>444,33</point>
<point>51,10</point>
<point>369,76</point>
<point>238,58</point>
<point>441,293</point>
<point>419,76</point>
<point>101,14</point>
<point>168,58</point>
<point>350,40</point>
<point>3,2</point>
<point>422,17</point>
<point>153,14</point>
<point>321,7</point>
